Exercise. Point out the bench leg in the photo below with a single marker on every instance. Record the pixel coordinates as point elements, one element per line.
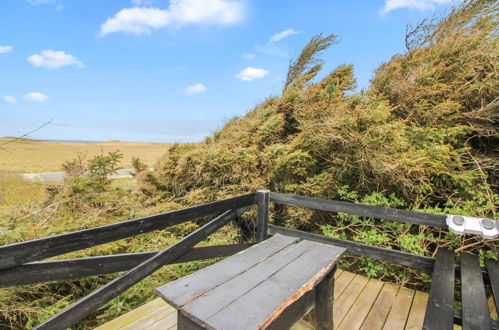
<point>322,314</point>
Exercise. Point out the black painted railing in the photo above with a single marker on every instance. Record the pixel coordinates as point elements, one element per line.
<point>20,265</point>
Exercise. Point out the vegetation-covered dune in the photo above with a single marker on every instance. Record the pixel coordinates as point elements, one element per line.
<point>423,136</point>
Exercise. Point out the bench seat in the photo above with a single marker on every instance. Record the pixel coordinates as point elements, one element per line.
<point>270,285</point>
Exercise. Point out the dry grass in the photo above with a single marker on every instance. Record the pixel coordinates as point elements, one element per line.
<point>32,156</point>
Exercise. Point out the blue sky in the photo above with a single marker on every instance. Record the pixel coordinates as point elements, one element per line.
<point>173,71</point>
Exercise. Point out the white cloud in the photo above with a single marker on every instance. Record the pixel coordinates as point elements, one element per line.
<point>142,2</point>
<point>249,56</point>
<point>250,74</point>
<point>42,2</point>
<point>54,59</point>
<point>194,89</point>
<point>5,49</point>
<point>9,99</point>
<point>281,35</point>
<point>56,3</point>
<point>36,97</point>
<point>140,20</point>
<point>421,5</point>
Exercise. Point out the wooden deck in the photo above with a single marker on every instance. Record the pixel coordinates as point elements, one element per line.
<point>360,303</point>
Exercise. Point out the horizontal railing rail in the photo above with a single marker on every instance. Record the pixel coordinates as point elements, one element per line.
<point>362,250</point>
<point>58,270</point>
<point>23,252</point>
<point>411,217</point>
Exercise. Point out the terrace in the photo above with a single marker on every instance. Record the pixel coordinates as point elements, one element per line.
<point>359,302</point>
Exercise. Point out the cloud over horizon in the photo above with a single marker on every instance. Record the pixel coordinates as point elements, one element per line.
<point>36,97</point>
<point>250,74</point>
<point>52,59</point>
<point>143,20</point>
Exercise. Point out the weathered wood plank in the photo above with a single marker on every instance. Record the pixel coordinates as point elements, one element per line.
<point>287,285</point>
<point>363,250</point>
<point>23,252</point>
<point>381,308</point>
<point>149,319</point>
<point>440,309</point>
<point>133,315</point>
<point>493,270</point>
<point>417,312</point>
<point>262,220</point>
<point>208,278</point>
<point>397,318</point>
<point>169,322</point>
<point>418,218</point>
<point>46,271</point>
<point>474,302</point>
<point>99,297</point>
<point>206,304</point>
<point>357,314</point>
<point>348,298</point>
<point>341,283</point>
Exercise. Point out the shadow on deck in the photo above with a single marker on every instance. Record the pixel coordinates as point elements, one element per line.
<point>360,303</point>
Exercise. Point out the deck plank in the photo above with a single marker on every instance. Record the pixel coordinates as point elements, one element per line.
<point>341,283</point>
<point>399,312</point>
<point>379,312</point>
<point>347,299</point>
<point>133,315</point>
<point>372,316</point>
<point>358,312</point>
<point>416,315</point>
<point>147,320</point>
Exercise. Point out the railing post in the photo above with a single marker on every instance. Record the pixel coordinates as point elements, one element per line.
<point>262,220</point>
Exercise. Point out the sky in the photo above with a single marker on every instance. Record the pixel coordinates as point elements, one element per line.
<point>174,71</point>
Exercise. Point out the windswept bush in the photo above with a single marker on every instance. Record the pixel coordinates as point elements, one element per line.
<point>423,136</point>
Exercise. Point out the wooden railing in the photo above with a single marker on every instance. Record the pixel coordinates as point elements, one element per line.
<point>17,266</point>
<point>19,263</point>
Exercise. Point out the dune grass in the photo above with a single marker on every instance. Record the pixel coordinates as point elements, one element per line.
<point>33,156</point>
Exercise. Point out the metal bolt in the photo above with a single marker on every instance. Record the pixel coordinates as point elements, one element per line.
<point>458,220</point>
<point>488,223</point>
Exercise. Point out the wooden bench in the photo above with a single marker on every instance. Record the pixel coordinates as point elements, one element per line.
<point>270,285</point>
<point>440,311</point>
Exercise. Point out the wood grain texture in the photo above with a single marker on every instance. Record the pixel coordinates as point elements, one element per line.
<point>357,314</point>
<point>379,311</point>
<point>23,252</point>
<point>348,298</point>
<point>341,283</point>
<point>474,302</point>
<point>262,220</point>
<point>493,270</point>
<point>418,218</point>
<point>417,312</point>
<point>376,314</point>
<point>440,309</point>
<point>219,297</point>
<point>202,281</point>
<point>258,308</point>
<point>397,318</point>
<point>135,314</point>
